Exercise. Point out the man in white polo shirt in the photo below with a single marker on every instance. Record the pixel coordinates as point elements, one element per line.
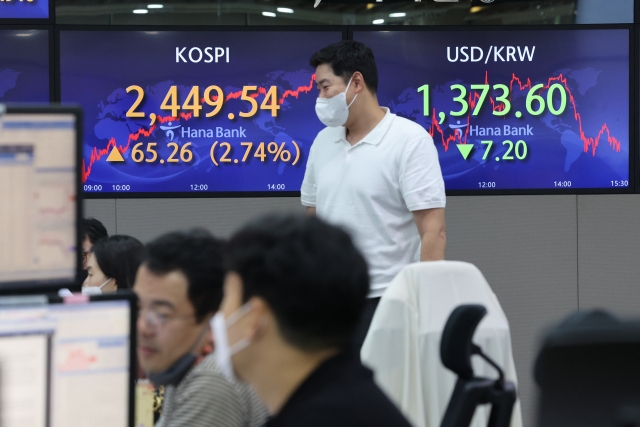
<point>375,173</point>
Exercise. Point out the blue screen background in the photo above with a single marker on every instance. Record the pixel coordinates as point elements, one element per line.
<point>24,66</point>
<point>97,67</point>
<point>36,9</point>
<point>594,64</point>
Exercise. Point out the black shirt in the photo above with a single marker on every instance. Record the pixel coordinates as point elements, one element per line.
<point>340,392</point>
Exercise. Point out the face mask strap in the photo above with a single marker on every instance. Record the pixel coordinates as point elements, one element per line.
<point>233,318</point>
<point>345,93</point>
<point>239,346</point>
<point>238,314</point>
<point>200,335</point>
<point>100,287</point>
<point>348,84</point>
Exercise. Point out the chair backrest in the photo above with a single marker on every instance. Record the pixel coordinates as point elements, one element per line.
<point>456,346</point>
<point>471,391</point>
<point>588,371</point>
<point>440,286</point>
<point>403,343</point>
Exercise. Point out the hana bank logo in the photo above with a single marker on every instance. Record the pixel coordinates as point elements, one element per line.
<point>458,127</point>
<point>168,130</point>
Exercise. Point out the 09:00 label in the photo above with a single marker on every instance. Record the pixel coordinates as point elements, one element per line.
<point>115,187</point>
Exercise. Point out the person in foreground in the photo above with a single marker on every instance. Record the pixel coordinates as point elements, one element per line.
<point>373,172</point>
<point>93,230</point>
<point>293,294</point>
<point>112,264</point>
<point>179,288</point>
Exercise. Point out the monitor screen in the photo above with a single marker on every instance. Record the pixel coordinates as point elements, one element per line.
<point>38,185</point>
<point>24,67</point>
<point>189,112</point>
<point>65,365</point>
<point>24,9</point>
<point>514,110</point>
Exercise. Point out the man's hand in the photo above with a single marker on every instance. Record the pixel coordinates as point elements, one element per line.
<point>311,211</point>
<point>433,233</point>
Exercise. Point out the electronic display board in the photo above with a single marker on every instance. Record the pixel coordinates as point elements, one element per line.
<point>25,9</point>
<point>24,65</point>
<point>185,112</point>
<point>514,109</point>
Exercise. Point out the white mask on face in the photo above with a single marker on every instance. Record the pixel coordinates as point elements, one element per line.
<point>223,350</point>
<point>334,112</point>
<point>94,290</point>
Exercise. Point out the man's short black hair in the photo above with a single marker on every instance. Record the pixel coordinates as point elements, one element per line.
<point>93,229</point>
<point>310,274</point>
<point>119,257</point>
<point>198,255</point>
<point>347,57</point>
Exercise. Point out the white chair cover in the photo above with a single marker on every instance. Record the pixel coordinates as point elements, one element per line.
<point>403,343</point>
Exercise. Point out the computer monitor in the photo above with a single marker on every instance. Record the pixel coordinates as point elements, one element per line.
<point>39,189</point>
<point>67,364</point>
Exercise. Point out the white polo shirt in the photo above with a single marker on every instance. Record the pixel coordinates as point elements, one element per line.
<point>372,187</point>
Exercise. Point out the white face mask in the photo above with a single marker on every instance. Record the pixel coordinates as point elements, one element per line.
<point>94,290</point>
<point>223,350</point>
<point>334,112</point>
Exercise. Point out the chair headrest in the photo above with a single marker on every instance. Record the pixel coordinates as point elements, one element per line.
<point>456,346</point>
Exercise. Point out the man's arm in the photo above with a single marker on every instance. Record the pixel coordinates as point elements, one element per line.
<point>311,210</point>
<point>433,233</point>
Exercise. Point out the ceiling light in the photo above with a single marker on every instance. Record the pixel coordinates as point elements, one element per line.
<point>284,10</point>
<point>370,6</point>
<point>155,6</point>
<point>269,14</point>
<point>140,11</point>
<point>397,15</point>
<point>378,21</point>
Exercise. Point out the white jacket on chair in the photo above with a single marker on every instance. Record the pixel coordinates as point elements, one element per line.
<point>403,343</point>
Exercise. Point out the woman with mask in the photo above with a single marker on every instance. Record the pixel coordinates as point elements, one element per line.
<point>112,264</point>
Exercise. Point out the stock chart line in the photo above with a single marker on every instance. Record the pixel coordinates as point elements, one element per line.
<point>462,137</point>
<point>97,154</point>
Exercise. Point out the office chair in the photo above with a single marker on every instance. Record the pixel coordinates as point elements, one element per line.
<point>403,342</point>
<point>456,349</point>
<point>588,371</point>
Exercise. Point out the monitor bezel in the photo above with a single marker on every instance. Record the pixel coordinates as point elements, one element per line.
<point>23,287</point>
<point>636,101</point>
<point>342,29</point>
<point>634,183</point>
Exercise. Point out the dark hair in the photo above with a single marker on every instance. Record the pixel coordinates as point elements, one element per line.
<point>119,258</point>
<point>198,255</point>
<point>93,229</point>
<point>347,57</point>
<point>309,273</point>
